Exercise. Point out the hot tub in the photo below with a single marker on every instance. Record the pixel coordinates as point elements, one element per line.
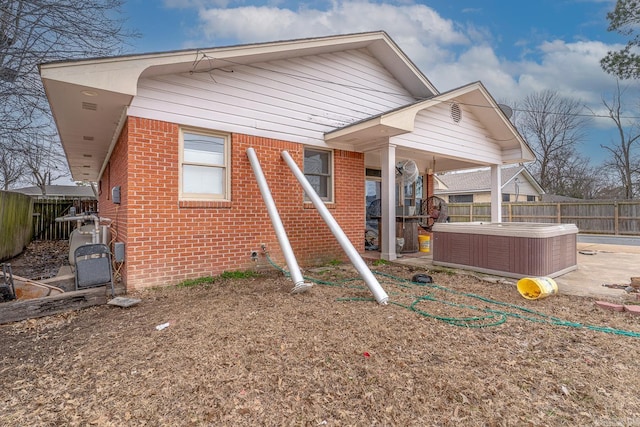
<point>511,249</point>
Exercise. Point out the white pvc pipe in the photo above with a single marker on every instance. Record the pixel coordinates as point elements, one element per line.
<point>95,233</point>
<point>294,269</point>
<point>357,261</point>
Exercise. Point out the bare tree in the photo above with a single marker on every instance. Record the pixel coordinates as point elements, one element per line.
<point>572,175</point>
<point>43,161</point>
<point>623,160</point>
<point>610,187</point>
<point>11,167</point>
<point>37,31</point>
<point>554,127</point>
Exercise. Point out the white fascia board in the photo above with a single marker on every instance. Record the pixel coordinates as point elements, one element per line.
<point>405,118</point>
<point>120,74</point>
<point>532,180</point>
<point>356,128</point>
<point>404,70</point>
<point>527,152</point>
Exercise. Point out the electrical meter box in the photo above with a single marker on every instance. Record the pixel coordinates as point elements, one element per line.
<point>115,194</point>
<point>118,251</point>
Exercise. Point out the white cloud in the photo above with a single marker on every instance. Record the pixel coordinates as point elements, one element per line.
<point>573,69</point>
<point>449,53</point>
<point>418,25</point>
<point>476,63</point>
<point>428,39</point>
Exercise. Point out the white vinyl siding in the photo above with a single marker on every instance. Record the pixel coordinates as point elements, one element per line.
<point>524,189</point>
<point>436,132</point>
<point>204,172</point>
<point>295,99</point>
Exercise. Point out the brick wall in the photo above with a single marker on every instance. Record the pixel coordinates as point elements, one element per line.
<point>168,241</point>
<point>429,188</point>
<point>115,174</point>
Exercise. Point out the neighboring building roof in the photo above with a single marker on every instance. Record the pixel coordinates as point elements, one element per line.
<point>59,191</point>
<point>480,180</point>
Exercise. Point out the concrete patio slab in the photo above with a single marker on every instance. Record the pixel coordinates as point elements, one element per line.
<point>607,264</point>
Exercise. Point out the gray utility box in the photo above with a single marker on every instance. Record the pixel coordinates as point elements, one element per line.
<point>118,251</point>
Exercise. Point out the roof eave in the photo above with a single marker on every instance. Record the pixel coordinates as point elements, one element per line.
<point>121,73</point>
<point>111,83</point>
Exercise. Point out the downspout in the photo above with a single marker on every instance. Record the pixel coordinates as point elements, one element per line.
<point>372,283</point>
<point>298,281</point>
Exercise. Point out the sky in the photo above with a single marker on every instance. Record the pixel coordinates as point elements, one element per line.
<point>515,48</point>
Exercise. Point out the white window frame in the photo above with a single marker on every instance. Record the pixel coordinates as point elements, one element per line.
<point>331,176</point>
<point>225,166</point>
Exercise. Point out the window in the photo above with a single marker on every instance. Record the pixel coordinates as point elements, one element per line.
<point>318,169</point>
<point>204,174</point>
<point>506,197</point>
<point>531,198</point>
<point>461,198</point>
<point>374,173</point>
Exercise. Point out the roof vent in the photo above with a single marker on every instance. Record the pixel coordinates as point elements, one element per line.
<point>456,112</point>
<point>88,138</point>
<point>89,106</point>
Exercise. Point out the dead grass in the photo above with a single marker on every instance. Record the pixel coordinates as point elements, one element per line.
<point>246,352</point>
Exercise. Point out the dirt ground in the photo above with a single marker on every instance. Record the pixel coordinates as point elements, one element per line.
<point>41,259</point>
<point>244,351</point>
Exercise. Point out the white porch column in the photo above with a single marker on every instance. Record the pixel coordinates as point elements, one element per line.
<point>388,205</point>
<point>496,193</point>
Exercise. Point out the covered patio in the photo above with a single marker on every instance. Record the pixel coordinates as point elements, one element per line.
<point>460,129</point>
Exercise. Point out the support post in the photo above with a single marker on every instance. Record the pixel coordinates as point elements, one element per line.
<point>496,193</point>
<point>372,283</point>
<point>388,205</point>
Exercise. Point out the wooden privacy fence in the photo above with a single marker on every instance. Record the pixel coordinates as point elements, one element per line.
<point>15,223</point>
<point>598,217</point>
<point>45,212</point>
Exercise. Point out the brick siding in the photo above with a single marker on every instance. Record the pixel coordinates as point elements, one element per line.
<point>168,241</point>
